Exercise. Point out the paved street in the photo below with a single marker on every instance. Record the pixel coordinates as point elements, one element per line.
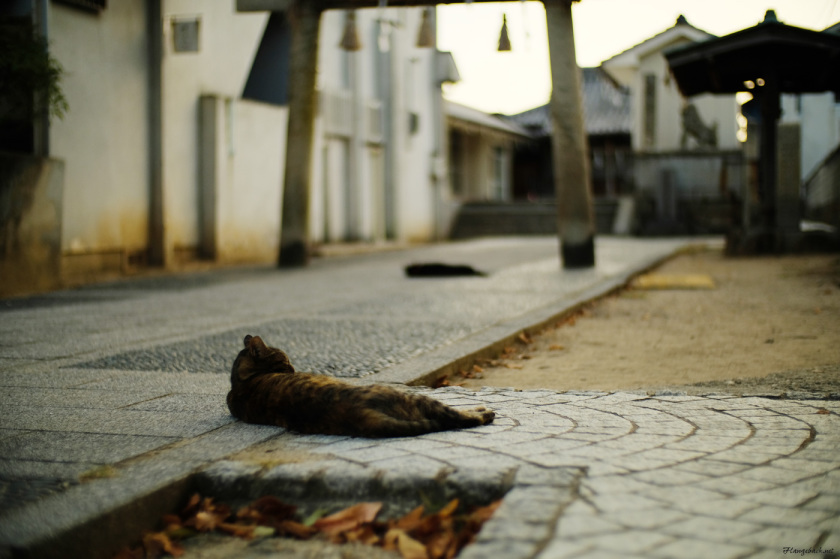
<point>592,474</point>
<point>114,398</point>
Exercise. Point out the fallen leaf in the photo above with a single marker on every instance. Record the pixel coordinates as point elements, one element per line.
<point>192,506</point>
<point>483,514</point>
<point>442,545</point>
<point>823,411</point>
<point>295,529</point>
<point>206,522</point>
<point>310,520</point>
<point>411,520</point>
<point>348,518</point>
<point>363,534</point>
<point>268,511</point>
<point>158,543</point>
<point>239,530</point>
<point>477,369</point>
<point>263,532</point>
<point>512,366</point>
<point>523,337</point>
<point>410,548</point>
<point>449,509</point>
<point>556,347</point>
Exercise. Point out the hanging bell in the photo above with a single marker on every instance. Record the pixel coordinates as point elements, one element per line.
<point>426,35</point>
<point>504,40</point>
<point>350,40</point>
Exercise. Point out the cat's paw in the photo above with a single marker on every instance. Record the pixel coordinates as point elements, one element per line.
<point>487,416</point>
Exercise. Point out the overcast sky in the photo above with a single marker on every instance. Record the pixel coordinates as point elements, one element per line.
<point>515,81</point>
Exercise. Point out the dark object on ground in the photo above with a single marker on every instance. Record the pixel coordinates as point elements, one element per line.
<point>439,270</point>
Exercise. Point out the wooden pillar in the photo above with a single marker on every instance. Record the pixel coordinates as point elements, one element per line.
<point>304,19</point>
<point>575,220</point>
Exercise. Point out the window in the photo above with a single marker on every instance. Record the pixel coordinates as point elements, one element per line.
<point>649,123</point>
<point>90,5</point>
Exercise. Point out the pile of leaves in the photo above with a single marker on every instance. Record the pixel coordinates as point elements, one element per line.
<point>439,535</point>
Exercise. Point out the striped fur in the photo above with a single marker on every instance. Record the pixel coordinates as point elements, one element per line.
<point>265,389</point>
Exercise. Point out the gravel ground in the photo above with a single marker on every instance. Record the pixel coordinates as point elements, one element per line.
<point>769,326</point>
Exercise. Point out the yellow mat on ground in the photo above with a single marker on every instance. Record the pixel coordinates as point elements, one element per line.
<point>674,281</point>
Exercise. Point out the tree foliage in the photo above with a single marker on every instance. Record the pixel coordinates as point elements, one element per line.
<point>30,78</point>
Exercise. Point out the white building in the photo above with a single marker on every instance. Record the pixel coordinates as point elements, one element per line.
<point>173,147</point>
<point>657,105</point>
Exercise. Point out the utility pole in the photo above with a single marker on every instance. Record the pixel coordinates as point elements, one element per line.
<point>569,152</point>
<point>304,19</point>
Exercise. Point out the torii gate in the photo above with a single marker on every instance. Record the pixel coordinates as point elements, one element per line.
<point>576,225</point>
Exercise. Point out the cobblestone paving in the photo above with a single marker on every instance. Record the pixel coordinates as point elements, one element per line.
<point>592,474</point>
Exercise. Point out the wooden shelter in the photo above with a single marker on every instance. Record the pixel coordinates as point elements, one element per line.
<point>767,60</point>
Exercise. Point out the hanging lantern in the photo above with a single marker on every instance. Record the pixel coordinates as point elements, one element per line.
<point>350,40</point>
<point>426,35</point>
<point>504,40</point>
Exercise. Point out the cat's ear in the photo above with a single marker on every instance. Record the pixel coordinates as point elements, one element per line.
<point>248,339</point>
<point>255,346</point>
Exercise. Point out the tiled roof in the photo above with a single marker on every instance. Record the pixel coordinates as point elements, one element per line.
<point>681,27</point>
<point>476,119</point>
<point>606,108</point>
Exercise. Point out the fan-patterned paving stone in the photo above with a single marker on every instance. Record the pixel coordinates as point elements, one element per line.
<point>591,474</point>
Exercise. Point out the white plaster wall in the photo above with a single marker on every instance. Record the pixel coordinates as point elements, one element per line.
<point>361,178</point>
<point>228,42</point>
<point>720,109</point>
<point>103,138</point>
<point>249,197</point>
<point>819,130</point>
<point>415,194</point>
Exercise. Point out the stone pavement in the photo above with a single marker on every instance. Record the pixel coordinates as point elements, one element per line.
<point>592,474</point>
<point>114,399</point>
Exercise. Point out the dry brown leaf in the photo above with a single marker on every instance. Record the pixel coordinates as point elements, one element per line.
<point>239,530</point>
<point>512,366</point>
<point>449,509</point>
<point>477,369</point>
<point>192,506</point>
<point>158,543</point>
<point>268,510</point>
<point>389,541</point>
<point>483,514</point>
<point>556,347</point>
<point>410,548</point>
<point>205,521</point>
<point>441,545</point>
<point>348,518</point>
<point>411,520</point>
<point>823,411</point>
<point>524,338</point>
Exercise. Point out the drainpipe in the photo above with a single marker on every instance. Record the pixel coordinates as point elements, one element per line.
<point>157,245</point>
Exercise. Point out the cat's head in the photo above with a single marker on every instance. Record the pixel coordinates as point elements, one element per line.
<point>257,359</point>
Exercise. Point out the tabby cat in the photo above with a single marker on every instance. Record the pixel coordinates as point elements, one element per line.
<point>265,389</point>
